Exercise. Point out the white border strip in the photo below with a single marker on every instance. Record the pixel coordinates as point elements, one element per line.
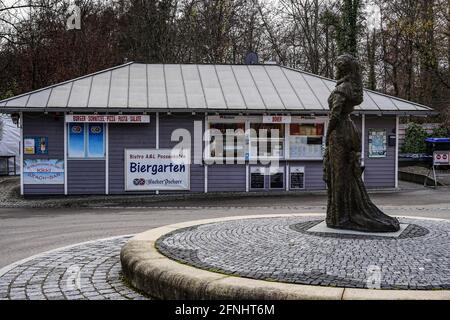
<point>157,138</point>
<point>363,141</point>
<point>397,120</point>
<point>107,158</point>
<point>65,157</point>
<point>21,153</point>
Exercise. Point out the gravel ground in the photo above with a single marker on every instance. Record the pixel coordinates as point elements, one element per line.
<point>443,176</point>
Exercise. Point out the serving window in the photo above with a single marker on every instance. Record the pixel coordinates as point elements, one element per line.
<point>227,140</point>
<point>306,140</point>
<point>267,140</point>
<point>249,138</point>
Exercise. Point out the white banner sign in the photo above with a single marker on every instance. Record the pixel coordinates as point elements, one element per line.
<point>108,118</point>
<point>157,169</point>
<point>43,171</point>
<point>276,119</point>
<point>441,158</point>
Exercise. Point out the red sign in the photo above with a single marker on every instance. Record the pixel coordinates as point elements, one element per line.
<point>441,158</point>
<point>276,119</point>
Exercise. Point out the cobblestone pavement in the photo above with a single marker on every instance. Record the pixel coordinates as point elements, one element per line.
<point>272,249</point>
<point>88,271</point>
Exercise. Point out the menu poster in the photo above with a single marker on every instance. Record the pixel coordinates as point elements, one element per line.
<point>297,178</point>
<point>377,143</point>
<point>35,145</point>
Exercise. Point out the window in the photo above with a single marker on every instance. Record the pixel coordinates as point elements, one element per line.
<point>86,140</point>
<point>306,140</point>
<point>266,140</point>
<point>227,140</point>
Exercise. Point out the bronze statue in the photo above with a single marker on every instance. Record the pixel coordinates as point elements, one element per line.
<point>349,205</point>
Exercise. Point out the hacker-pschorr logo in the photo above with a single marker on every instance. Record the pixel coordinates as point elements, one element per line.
<point>139,181</point>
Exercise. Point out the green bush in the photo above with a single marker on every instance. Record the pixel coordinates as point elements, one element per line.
<point>440,132</point>
<point>415,137</point>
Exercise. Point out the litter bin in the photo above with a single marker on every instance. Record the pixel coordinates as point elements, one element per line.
<point>437,144</point>
<point>439,148</point>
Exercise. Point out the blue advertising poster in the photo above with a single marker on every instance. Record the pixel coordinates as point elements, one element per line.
<point>35,145</point>
<point>43,171</point>
<point>76,140</point>
<point>377,143</point>
<point>95,144</point>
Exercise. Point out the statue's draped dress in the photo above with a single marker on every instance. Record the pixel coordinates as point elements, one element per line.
<point>349,205</point>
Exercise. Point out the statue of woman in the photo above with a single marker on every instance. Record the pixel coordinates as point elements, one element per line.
<point>349,205</point>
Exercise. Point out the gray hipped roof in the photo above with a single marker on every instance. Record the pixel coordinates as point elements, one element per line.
<point>198,87</point>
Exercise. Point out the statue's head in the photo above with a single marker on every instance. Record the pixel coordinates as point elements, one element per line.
<point>348,70</point>
<point>346,65</point>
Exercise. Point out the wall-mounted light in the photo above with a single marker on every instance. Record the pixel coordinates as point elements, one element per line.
<point>15,118</point>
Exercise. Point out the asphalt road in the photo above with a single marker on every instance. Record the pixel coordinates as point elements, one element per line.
<point>25,232</point>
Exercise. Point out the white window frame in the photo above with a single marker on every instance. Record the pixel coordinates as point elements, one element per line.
<point>86,142</point>
<point>250,140</point>
<point>248,120</point>
<point>216,120</point>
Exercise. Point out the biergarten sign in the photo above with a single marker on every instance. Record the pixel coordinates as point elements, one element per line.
<point>157,169</point>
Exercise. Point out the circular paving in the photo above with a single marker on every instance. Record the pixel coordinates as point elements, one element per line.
<point>88,271</point>
<point>280,249</point>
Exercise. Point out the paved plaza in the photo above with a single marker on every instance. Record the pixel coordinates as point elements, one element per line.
<point>282,249</point>
<point>89,271</point>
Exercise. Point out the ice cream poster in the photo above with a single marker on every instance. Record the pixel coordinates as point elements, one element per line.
<point>377,143</point>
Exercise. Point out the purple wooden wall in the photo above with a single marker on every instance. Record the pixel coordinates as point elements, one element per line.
<point>51,126</point>
<point>88,176</point>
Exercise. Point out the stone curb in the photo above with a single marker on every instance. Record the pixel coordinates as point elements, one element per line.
<point>163,278</point>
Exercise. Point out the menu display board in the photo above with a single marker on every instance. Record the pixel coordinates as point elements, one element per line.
<point>306,140</point>
<point>35,145</point>
<point>297,178</point>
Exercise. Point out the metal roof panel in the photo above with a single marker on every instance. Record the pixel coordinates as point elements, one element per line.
<point>138,86</point>
<point>60,96</point>
<point>230,87</point>
<point>98,94</point>
<point>118,88</point>
<point>304,92</point>
<point>39,99</point>
<point>266,88</point>
<point>248,88</point>
<point>193,86</point>
<point>80,93</point>
<point>157,97</point>
<point>383,102</point>
<point>211,86</point>
<point>284,88</point>
<point>175,86</point>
